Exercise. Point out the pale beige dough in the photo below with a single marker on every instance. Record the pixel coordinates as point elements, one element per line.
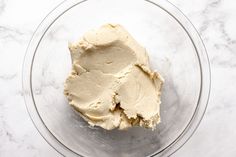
<point>111,83</point>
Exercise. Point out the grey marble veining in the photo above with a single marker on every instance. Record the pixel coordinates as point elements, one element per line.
<point>215,21</point>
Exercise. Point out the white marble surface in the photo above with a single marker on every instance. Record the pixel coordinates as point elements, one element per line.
<point>214,19</point>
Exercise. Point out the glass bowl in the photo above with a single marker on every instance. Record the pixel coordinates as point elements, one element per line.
<point>175,50</point>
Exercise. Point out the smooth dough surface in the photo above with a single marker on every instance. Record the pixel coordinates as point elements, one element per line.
<point>111,83</point>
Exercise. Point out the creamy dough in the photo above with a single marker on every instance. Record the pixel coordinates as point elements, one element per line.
<point>111,83</point>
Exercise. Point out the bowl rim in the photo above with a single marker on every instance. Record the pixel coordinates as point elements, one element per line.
<point>169,8</point>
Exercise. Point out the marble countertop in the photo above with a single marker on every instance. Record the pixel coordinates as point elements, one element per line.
<point>215,21</point>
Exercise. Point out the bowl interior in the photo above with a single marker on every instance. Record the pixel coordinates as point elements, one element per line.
<point>171,52</point>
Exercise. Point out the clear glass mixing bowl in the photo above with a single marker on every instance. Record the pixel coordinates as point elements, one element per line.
<point>175,50</point>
